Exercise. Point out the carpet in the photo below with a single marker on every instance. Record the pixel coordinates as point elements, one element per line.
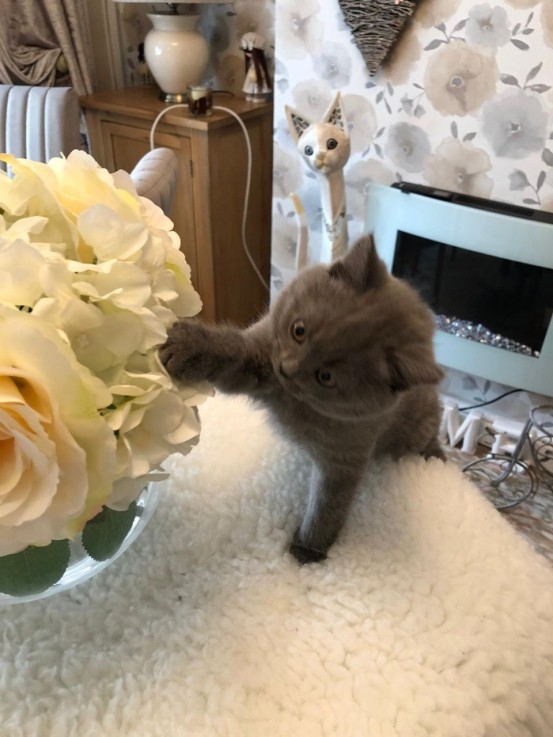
<point>431,617</point>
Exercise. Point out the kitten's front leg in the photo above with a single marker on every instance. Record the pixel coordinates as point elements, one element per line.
<point>331,493</point>
<point>234,360</point>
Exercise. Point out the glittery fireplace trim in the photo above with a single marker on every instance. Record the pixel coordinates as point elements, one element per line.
<point>481,334</point>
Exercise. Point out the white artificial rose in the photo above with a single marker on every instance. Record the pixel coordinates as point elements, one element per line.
<point>57,453</point>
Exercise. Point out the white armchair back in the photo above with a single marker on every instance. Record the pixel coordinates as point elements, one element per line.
<point>38,123</point>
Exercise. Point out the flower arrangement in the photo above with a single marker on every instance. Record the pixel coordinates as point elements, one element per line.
<point>91,276</point>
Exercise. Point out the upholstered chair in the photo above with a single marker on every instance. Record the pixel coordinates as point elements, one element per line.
<point>155,177</point>
<point>39,123</point>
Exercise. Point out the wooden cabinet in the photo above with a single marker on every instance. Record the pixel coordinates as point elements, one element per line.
<point>209,201</point>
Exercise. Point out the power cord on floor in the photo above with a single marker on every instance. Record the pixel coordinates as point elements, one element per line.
<point>490,401</point>
<point>248,178</point>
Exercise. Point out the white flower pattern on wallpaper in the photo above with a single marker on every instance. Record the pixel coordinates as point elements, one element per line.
<point>488,26</point>
<point>459,78</point>
<point>287,173</point>
<point>460,167</point>
<point>334,66</point>
<point>313,97</point>
<point>360,176</point>
<point>299,28</point>
<point>408,146</point>
<point>515,124</point>
<point>431,13</point>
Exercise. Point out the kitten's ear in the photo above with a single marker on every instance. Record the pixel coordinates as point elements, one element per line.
<point>335,114</point>
<point>296,123</point>
<point>406,372</point>
<point>361,267</point>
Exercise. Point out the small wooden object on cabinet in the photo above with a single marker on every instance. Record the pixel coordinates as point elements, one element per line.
<point>209,200</point>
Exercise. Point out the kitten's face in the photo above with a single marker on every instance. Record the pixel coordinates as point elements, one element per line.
<point>328,353</point>
<point>325,148</point>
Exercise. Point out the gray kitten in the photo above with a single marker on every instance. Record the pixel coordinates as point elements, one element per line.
<point>344,362</point>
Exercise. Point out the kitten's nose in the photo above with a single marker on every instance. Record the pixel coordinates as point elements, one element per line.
<point>320,160</point>
<point>288,367</point>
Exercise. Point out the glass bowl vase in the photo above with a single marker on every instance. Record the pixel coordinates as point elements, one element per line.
<point>82,565</point>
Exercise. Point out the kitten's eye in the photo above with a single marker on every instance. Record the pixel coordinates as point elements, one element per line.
<point>331,143</point>
<point>325,378</point>
<point>298,331</point>
<point>308,150</point>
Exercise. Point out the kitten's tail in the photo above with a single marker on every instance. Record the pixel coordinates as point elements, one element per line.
<point>301,245</point>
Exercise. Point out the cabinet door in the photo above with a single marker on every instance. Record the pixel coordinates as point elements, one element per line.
<point>124,145</point>
<point>240,294</point>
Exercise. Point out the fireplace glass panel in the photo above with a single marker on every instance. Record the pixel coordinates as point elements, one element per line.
<point>474,295</point>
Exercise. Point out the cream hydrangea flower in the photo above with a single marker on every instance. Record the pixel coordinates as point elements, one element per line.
<point>91,277</point>
<point>150,420</point>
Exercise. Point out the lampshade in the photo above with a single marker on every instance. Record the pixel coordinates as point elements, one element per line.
<point>175,52</point>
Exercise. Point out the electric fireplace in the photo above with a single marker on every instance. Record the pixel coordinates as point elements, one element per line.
<point>486,270</point>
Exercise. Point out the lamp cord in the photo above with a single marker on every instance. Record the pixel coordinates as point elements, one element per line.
<point>248,177</point>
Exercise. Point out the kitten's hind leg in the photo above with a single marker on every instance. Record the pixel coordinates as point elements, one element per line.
<point>330,496</point>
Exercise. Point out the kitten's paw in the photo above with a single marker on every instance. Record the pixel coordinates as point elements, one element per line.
<point>304,554</point>
<point>433,450</point>
<point>185,354</point>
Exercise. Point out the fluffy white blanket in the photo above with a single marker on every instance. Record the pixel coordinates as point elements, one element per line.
<point>431,617</point>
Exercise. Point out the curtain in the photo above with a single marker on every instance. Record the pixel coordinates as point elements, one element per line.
<point>45,42</point>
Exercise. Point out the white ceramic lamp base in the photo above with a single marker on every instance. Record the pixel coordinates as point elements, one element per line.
<point>176,54</point>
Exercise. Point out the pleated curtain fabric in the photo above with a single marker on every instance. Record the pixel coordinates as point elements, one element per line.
<point>36,34</point>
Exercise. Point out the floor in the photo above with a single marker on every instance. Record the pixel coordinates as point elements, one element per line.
<point>532,517</point>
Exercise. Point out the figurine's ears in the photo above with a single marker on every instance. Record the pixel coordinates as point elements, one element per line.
<point>335,114</point>
<point>296,123</point>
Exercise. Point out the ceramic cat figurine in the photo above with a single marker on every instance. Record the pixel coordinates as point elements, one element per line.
<point>325,147</point>
<point>344,363</point>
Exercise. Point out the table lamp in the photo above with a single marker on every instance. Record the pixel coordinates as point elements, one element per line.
<point>175,52</point>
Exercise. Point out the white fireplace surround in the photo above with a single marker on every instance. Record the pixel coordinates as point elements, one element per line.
<point>495,233</point>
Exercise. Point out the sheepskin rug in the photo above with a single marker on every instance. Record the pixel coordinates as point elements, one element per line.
<point>431,617</point>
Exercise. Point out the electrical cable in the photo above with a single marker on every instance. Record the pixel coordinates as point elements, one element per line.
<point>248,177</point>
<point>490,401</point>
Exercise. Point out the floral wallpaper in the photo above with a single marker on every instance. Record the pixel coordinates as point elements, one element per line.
<point>466,104</point>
